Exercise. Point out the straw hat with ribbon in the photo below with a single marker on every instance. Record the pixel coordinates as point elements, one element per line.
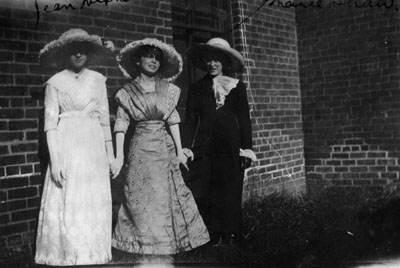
<point>171,65</point>
<point>53,53</point>
<point>198,53</point>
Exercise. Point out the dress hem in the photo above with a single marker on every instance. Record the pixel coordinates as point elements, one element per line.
<point>109,259</point>
<point>132,248</point>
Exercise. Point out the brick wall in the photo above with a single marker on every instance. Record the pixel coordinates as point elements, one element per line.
<point>269,38</point>
<point>269,45</point>
<point>22,147</point>
<point>349,70</point>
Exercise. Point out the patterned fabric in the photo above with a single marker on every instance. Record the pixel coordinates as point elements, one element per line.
<point>74,225</point>
<point>159,215</point>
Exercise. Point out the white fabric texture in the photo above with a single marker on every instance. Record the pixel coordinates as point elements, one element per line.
<point>222,86</point>
<point>74,226</point>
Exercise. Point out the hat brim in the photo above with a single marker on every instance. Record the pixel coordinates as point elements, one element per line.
<point>53,54</point>
<point>198,53</point>
<point>172,64</point>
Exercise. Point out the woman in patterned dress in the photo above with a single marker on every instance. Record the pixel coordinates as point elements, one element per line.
<point>159,215</point>
<point>74,226</point>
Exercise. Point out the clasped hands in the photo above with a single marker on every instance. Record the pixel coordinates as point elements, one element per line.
<point>184,155</point>
<point>115,165</point>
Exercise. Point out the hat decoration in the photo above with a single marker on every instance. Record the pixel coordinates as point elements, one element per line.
<point>171,65</point>
<point>51,54</point>
<point>197,54</point>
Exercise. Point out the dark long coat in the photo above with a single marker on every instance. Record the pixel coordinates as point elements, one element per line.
<point>215,138</point>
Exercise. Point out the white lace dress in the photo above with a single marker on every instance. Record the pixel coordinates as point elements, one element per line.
<point>74,226</point>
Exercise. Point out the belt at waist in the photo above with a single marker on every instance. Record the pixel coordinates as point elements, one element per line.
<point>150,125</point>
<point>74,114</point>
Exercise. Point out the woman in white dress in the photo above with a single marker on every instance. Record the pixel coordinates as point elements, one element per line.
<point>74,226</point>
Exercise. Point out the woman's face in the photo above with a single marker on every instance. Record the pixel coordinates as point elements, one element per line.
<point>77,56</point>
<point>214,65</point>
<point>150,63</point>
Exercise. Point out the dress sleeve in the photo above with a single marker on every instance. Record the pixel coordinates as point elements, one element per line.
<point>174,118</point>
<point>173,97</point>
<point>104,112</point>
<point>123,120</point>
<point>243,116</point>
<point>51,108</point>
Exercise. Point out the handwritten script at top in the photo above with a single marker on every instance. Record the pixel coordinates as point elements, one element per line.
<point>318,3</point>
<point>388,4</point>
<point>57,7</point>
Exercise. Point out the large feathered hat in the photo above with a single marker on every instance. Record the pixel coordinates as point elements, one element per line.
<point>171,65</point>
<point>52,53</point>
<point>198,53</point>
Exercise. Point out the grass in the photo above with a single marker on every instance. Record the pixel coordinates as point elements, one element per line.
<point>331,229</point>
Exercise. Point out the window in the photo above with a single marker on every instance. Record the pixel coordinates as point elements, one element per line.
<point>196,21</point>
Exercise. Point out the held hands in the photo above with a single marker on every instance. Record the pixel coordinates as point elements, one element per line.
<point>115,166</point>
<point>189,154</point>
<point>57,175</point>
<point>184,156</point>
<point>182,159</point>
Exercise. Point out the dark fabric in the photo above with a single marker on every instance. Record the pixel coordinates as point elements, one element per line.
<point>226,194</point>
<point>224,130</point>
<point>215,136</point>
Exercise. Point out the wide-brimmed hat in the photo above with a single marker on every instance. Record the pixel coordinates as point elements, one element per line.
<point>52,53</point>
<point>197,54</point>
<point>171,65</point>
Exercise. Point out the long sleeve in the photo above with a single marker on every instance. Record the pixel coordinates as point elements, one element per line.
<point>52,109</point>
<point>243,116</point>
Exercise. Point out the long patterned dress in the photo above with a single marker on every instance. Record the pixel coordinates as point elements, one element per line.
<point>74,225</point>
<point>159,215</point>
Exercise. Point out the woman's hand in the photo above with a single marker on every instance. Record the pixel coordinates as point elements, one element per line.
<point>57,175</point>
<point>182,159</point>
<point>245,162</point>
<point>189,154</point>
<point>115,166</point>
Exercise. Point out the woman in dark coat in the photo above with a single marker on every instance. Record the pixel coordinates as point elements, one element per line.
<point>218,113</point>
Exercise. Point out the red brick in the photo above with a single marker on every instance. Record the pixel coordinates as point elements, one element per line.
<point>24,215</point>
<point>22,193</point>
<point>14,229</point>
<point>12,170</point>
<point>24,147</point>
<point>13,206</point>
<point>12,159</point>
<point>22,124</point>
<point>12,113</point>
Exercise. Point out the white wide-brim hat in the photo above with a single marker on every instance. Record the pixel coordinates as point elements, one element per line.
<point>197,54</point>
<point>52,53</point>
<point>171,65</point>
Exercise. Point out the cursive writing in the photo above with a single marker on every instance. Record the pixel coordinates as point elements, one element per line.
<point>88,3</point>
<point>289,4</point>
<point>365,3</point>
<point>57,7</point>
